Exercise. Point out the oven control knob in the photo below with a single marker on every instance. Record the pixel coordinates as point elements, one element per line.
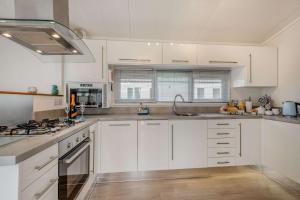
<point>69,145</point>
<point>83,135</point>
<point>77,139</point>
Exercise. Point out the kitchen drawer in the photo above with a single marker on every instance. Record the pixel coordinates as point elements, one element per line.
<point>44,188</point>
<point>222,124</point>
<point>221,162</point>
<point>37,165</point>
<point>222,133</point>
<point>222,142</point>
<point>221,152</point>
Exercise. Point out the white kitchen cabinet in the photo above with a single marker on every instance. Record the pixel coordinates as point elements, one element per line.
<point>89,72</point>
<point>249,145</point>
<point>188,144</point>
<point>153,145</point>
<point>222,55</point>
<point>133,53</point>
<point>180,54</point>
<point>260,71</point>
<point>118,146</point>
<point>280,148</point>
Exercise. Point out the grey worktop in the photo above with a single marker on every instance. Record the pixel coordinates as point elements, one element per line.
<point>19,151</point>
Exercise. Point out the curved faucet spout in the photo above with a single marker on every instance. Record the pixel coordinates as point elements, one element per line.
<point>174,103</point>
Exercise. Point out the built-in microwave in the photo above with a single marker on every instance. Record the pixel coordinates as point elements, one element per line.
<point>92,95</point>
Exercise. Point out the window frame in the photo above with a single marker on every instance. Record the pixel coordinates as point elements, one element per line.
<point>191,85</point>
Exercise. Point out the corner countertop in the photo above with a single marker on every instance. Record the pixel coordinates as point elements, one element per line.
<point>22,149</point>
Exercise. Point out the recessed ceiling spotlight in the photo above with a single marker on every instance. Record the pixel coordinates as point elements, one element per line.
<point>55,35</point>
<point>39,51</point>
<point>157,43</point>
<point>171,43</point>
<point>7,35</point>
<point>74,51</point>
<point>148,43</point>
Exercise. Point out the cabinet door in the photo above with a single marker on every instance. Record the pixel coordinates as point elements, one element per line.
<point>249,142</point>
<point>89,72</point>
<point>123,52</point>
<point>188,144</point>
<point>260,71</point>
<point>153,145</point>
<point>222,55</point>
<point>119,146</point>
<point>181,54</point>
<point>280,148</point>
<point>263,67</point>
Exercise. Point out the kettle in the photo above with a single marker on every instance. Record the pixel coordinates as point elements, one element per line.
<point>290,108</point>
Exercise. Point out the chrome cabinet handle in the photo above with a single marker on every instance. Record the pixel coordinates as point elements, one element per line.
<point>250,69</point>
<point>225,62</point>
<point>70,160</point>
<point>134,60</point>
<point>240,139</point>
<point>153,124</point>
<point>119,124</point>
<point>180,61</point>
<point>222,153</point>
<point>223,133</point>
<point>52,158</point>
<point>222,124</point>
<point>102,62</point>
<point>53,182</point>
<point>223,143</point>
<point>172,131</point>
<point>225,162</point>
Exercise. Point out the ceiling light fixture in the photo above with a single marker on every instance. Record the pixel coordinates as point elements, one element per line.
<point>52,22</point>
<point>7,35</point>
<point>39,51</point>
<point>55,35</point>
<point>171,43</point>
<point>148,43</point>
<point>75,51</point>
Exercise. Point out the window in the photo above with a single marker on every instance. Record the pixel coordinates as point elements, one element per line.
<point>134,85</point>
<point>163,85</point>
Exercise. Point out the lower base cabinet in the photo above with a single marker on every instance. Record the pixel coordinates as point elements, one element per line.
<point>153,145</point>
<point>188,144</point>
<point>119,146</point>
<point>280,148</point>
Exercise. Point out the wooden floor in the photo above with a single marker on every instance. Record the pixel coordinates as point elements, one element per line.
<point>233,183</point>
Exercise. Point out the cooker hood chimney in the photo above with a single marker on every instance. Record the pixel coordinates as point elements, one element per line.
<point>43,27</point>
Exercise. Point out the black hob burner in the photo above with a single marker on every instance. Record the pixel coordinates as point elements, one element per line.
<point>32,127</point>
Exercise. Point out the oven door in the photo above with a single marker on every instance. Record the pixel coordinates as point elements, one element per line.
<point>74,171</point>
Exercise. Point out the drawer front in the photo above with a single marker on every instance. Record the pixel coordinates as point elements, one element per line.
<point>221,152</point>
<point>221,133</point>
<point>221,162</point>
<point>38,165</point>
<point>222,123</point>
<point>223,142</point>
<point>44,188</point>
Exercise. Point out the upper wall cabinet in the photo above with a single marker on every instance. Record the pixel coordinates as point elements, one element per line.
<point>221,55</point>
<point>181,54</point>
<point>89,72</point>
<point>133,53</point>
<point>260,70</point>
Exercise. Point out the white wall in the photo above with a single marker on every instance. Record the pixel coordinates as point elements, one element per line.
<point>19,69</point>
<point>288,43</point>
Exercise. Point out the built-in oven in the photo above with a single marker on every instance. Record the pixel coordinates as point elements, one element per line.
<point>74,164</point>
<point>92,95</point>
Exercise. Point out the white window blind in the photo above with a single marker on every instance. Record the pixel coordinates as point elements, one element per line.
<point>211,86</point>
<point>134,85</point>
<point>170,83</point>
<point>162,86</point>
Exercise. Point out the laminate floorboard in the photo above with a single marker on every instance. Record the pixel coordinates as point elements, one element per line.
<point>233,183</point>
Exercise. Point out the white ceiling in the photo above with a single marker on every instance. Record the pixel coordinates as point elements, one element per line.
<point>234,21</point>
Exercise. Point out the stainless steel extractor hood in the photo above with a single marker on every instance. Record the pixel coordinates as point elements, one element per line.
<point>43,27</point>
